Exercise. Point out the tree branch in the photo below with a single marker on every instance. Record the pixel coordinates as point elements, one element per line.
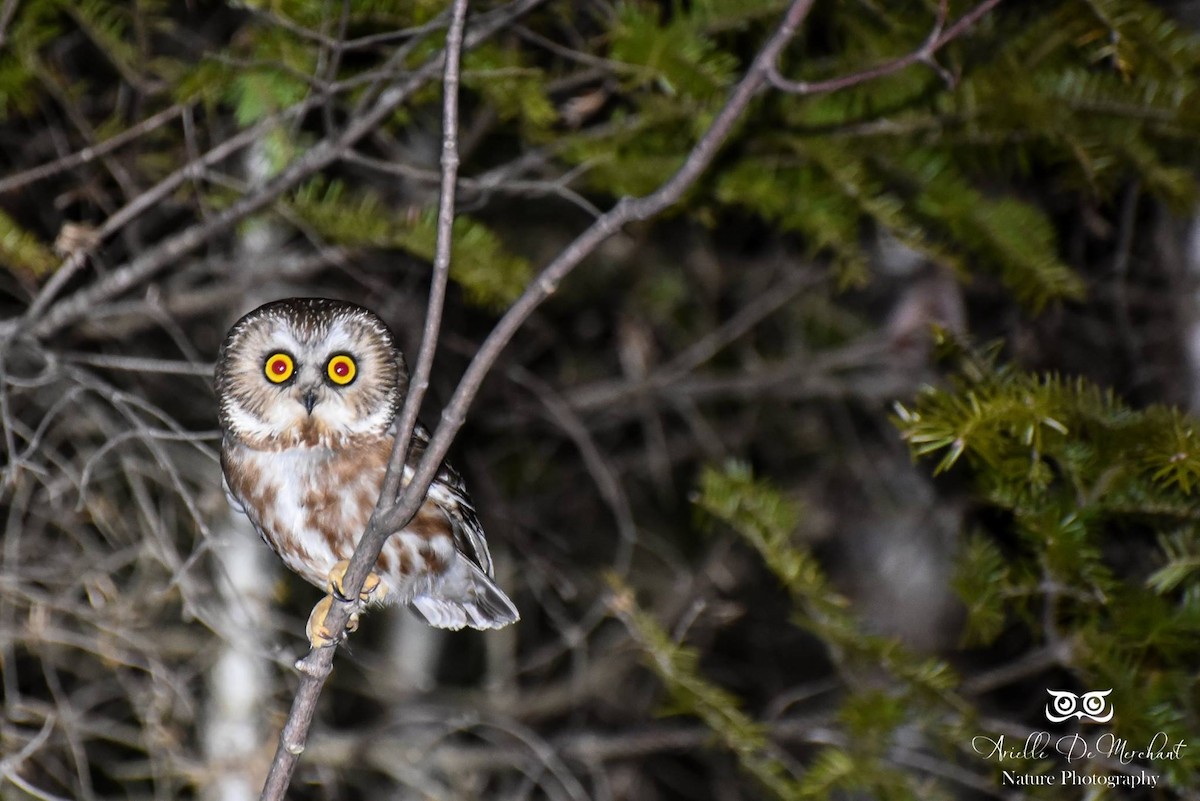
<point>419,380</point>
<point>92,152</point>
<point>295,731</point>
<point>939,37</point>
<point>626,211</point>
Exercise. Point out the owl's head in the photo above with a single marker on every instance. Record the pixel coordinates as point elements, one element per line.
<point>308,372</point>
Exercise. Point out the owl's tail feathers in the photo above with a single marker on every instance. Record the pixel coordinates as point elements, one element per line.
<point>479,603</point>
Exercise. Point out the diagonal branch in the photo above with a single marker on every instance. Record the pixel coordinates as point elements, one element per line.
<point>626,211</point>
<point>938,38</point>
<point>91,153</point>
<point>295,732</point>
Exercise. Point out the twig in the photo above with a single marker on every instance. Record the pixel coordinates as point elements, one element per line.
<point>295,731</point>
<point>31,747</point>
<point>130,211</point>
<point>1029,664</point>
<point>348,45</point>
<point>937,39</point>
<point>490,182</point>
<point>146,435</point>
<point>605,478</point>
<point>606,64</point>
<point>386,750</point>
<point>139,364</point>
<point>92,152</point>
<point>804,376</point>
<point>776,297</point>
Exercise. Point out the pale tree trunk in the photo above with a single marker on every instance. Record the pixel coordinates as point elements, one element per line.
<point>414,648</point>
<point>236,742</point>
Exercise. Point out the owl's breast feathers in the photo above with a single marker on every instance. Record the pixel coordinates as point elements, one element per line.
<point>309,504</point>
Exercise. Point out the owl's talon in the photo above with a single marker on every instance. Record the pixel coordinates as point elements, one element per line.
<point>337,586</point>
<point>318,631</point>
<point>319,635</point>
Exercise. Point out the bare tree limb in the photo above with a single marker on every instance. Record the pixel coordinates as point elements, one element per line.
<point>93,152</point>
<point>122,217</point>
<point>939,37</point>
<point>626,211</point>
<point>295,731</point>
<point>419,380</point>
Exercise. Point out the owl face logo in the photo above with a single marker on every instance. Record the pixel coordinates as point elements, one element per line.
<point>1066,705</point>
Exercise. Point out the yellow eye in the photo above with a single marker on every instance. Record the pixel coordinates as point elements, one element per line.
<point>341,369</point>
<point>279,367</point>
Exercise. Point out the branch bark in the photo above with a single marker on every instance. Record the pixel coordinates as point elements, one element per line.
<point>938,38</point>
<point>295,731</point>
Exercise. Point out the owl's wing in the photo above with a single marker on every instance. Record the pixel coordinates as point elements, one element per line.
<point>234,501</point>
<point>450,493</point>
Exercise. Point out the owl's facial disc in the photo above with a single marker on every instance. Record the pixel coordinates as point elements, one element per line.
<point>306,381</point>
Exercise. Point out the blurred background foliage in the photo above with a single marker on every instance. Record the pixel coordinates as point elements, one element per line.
<point>801,487</point>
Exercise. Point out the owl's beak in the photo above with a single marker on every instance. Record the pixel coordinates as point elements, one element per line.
<point>309,399</point>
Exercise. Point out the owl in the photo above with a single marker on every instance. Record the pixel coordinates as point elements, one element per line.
<point>308,390</point>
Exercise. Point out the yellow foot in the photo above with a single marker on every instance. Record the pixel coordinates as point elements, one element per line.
<point>373,584</point>
<point>318,631</point>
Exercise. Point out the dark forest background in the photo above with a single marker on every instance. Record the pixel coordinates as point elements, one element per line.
<point>801,486</point>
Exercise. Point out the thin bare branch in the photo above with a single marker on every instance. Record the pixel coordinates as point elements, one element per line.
<point>938,38</point>
<point>606,479</point>
<point>138,364</point>
<point>493,181</point>
<point>6,15</point>
<point>626,211</point>
<point>295,731</point>
<point>419,380</point>
<point>91,153</point>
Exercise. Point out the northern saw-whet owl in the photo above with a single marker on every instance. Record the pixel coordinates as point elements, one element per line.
<point>308,390</point>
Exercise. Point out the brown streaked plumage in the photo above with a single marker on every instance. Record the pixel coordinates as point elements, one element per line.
<point>308,390</point>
